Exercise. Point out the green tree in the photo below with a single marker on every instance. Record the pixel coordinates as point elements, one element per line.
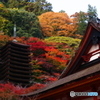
<point>81,19</point>
<point>27,23</point>
<point>14,3</point>
<point>92,12</point>
<point>65,44</point>
<point>38,7</point>
<point>5,22</point>
<point>82,23</point>
<point>61,11</point>
<point>4,1</point>
<point>4,25</point>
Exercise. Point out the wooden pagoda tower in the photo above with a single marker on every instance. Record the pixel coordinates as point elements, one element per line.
<point>82,73</point>
<point>15,63</point>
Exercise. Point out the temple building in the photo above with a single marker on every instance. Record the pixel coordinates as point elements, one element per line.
<point>81,75</point>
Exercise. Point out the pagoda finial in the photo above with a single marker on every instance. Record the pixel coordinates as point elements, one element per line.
<point>14,30</point>
<point>14,40</point>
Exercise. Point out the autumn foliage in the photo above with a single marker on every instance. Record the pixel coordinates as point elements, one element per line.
<point>9,91</point>
<point>48,59</point>
<point>3,40</point>
<point>56,24</point>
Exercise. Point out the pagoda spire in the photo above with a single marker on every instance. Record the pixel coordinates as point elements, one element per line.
<point>14,30</point>
<point>14,35</point>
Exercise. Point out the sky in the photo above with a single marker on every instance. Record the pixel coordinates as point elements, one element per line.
<point>72,6</point>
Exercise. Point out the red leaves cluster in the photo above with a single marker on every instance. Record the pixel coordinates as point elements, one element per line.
<point>51,79</point>
<point>37,45</point>
<point>34,87</point>
<point>46,60</point>
<point>57,55</point>
<point>9,90</point>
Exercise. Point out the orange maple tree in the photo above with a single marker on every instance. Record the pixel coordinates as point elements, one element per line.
<point>56,24</point>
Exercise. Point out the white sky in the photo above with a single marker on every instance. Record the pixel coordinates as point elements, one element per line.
<point>72,6</point>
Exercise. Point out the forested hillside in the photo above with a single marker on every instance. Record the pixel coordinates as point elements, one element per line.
<point>53,38</point>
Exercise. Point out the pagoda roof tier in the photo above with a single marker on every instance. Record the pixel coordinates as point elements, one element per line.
<point>20,75</point>
<point>18,79</point>
<point>20,71</point>
<point>20,67</point>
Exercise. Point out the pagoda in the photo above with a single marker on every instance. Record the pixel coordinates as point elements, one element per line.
<point>15,63</point>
